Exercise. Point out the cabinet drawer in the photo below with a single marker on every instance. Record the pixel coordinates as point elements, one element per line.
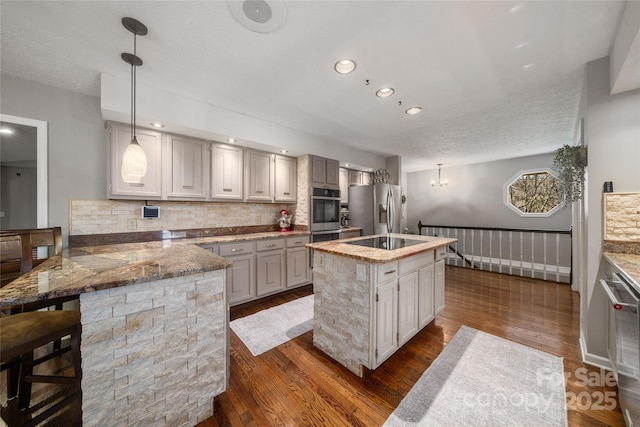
<point>407,265</point>
<point>386,272</point>
<point>230,249</point>
<point>441,253</point>
<point>294,242</point>
<point>270,245</point>
<point>212,248</point>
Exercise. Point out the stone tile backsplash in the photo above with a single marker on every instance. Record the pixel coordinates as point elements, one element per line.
<point>622,217</point>
<point>120,216</point>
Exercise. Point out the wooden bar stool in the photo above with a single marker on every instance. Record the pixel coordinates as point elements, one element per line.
<point>21,334</point>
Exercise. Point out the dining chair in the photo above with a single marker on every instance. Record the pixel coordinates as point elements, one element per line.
<point>21,335</point>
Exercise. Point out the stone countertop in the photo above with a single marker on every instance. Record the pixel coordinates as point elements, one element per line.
<point>629,264</point>
<point>380,256</point>
<point>91,268</point>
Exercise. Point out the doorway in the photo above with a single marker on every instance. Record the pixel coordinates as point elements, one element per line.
<point>23,173</point>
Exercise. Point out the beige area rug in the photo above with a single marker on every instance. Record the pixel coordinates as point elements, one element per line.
<point>483,380</point>
<point>269,328</point>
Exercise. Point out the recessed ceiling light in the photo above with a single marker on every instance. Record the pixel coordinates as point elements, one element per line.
<point>384,92</point>
<point>519,45</point>
<point>346,164</point>
<point>231,140</point>
<point>284,151</point>
<point>6,131</point>
<point>527,66</point>
<point>413,110</point>
<point>345,66</point>
<point>157,125</point>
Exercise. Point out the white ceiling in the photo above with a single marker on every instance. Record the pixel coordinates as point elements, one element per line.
<point>462,62</point>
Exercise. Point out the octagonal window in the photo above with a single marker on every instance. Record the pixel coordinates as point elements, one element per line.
<point>533,192</point>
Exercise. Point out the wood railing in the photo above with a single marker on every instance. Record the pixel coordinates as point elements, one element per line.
<point>540,254</point>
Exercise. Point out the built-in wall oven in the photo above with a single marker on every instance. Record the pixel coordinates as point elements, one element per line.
<point>325,209</point>
<point>624,341</point>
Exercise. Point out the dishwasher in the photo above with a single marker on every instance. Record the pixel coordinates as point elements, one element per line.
<point>624,342</point>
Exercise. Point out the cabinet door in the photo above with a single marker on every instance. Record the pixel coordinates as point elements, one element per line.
<point>333,173</point>
<point>240,279</point>
<point>187,168</point>
<point>297,267</point>
<point>367,179</point>
<point>151,143</point>
<point>344,185</point>
<point>260,176</point>
<point>386,320</point>
<point>226,172</point>
<point>270,276</point>
<point>318,171</point>
<point>286,174</point>
<point>425,296</point>
<point>438,283</point>
<point>407,307</point>
<point>355,177</point>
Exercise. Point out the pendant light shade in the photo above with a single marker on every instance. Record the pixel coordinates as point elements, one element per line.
<point>134,160</point>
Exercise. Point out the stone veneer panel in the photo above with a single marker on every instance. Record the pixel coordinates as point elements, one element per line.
<point>112,216</point>
<point>622,217</point>
<point>154,353</point>
<point>303,203</point>
<point>341,324</point>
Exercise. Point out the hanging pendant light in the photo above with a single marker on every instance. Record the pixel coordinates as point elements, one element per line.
<point>134,160</point>
<point>440,181</point>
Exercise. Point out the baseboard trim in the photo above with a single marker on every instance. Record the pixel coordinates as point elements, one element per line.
<point>593,359</point>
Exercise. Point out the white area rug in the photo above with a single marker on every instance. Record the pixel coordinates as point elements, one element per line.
<point>276,325</point>
<point>483,380</point>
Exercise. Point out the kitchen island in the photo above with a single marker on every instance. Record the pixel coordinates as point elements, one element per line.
<point>154,328</point>
<point>373,293</point>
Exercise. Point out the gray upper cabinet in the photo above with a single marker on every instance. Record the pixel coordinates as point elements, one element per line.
<point>227,172</point>
<point>187,168</point>
<point>259,176</point>
<point>324,172</point>
<point>151,142</point>
<point>286,173</point>
<point>344,185</point>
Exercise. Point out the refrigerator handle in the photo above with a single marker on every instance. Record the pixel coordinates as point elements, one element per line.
<point>389,213</point>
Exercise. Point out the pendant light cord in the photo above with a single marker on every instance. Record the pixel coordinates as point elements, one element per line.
<point>133,91</point>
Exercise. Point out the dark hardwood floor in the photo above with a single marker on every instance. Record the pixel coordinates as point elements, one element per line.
<point>295,384</point>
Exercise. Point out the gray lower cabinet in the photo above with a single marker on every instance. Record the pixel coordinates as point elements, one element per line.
<point>298,271</point>
<point>425,296</point>
<point>264,267</point>
<point>241,275</point>
<point>271,266</point>
<point>438,284</point>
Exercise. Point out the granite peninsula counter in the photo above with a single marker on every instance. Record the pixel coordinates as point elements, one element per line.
<point>369,301</point>
<point>154,320</point>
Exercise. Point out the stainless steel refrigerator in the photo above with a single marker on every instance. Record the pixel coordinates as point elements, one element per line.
<point>375,208</point>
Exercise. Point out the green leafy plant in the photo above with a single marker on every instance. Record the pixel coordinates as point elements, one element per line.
<point>569,161</point>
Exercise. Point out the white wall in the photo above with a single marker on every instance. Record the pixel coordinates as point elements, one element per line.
<point>612,135</point>
<point>18,198</point>
<point>77,142</point>
<point>474,196</point>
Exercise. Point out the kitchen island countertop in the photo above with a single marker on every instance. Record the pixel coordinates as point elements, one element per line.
<point>380,256</point>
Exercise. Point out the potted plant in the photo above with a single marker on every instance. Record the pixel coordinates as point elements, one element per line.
<point>569,161</point>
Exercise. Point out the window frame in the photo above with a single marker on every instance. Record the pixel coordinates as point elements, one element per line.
<point>505,193</point>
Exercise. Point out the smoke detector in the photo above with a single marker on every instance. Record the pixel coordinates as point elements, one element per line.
<point>261,16</point>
